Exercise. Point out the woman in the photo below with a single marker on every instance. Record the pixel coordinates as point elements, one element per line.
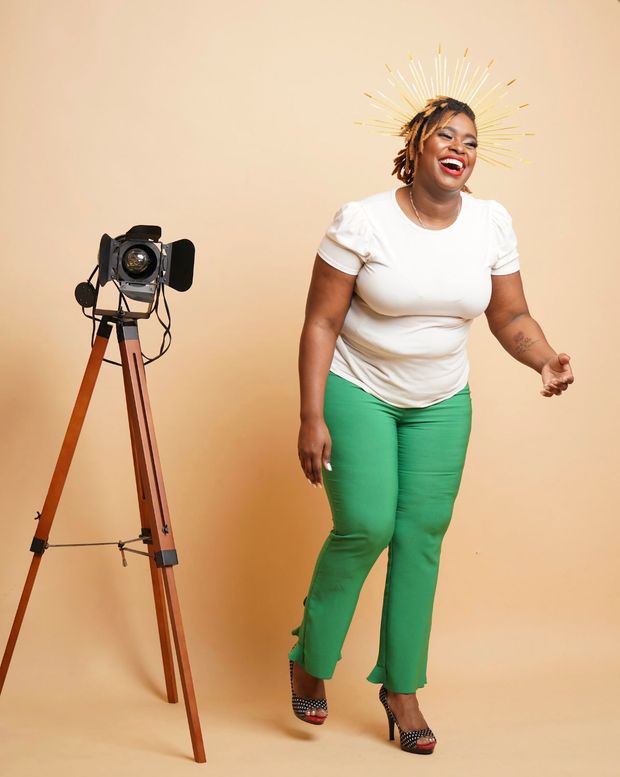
<point>385,399</point>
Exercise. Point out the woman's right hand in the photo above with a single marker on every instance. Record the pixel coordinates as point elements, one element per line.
<point>314,448</point>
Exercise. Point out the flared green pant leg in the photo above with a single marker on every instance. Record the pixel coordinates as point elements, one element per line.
<point>396,473</point>
<point>362,490</point>
<point>432,445</point>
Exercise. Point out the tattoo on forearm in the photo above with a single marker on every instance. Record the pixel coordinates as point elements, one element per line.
<point>523,342</point>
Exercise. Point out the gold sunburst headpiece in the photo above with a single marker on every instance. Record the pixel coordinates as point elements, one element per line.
<point>413,94</point>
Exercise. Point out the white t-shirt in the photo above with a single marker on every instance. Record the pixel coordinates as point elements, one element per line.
<point>404,338</point>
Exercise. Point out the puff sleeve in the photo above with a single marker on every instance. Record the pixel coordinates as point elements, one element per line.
<point>505,255</point>
<point>346,243</point>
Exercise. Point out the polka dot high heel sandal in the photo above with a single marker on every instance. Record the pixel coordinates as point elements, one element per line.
<point>408,739</point>
<point>302,705</point>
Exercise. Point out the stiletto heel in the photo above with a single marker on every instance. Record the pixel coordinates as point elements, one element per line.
<point>302,704</point>
<point>408,739</point>
<point>391,728</point>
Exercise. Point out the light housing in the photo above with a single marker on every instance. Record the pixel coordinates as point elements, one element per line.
<point>138,262</point>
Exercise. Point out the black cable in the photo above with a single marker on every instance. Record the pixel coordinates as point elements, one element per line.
<point>167,333</point>
<point>167,327</point>
<point>96,320</point>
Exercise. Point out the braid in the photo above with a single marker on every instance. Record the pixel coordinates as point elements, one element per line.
<point>421,127</point>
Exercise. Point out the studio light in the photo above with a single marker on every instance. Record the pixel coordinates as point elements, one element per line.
<point>138,261</point>
<point>140,267</point>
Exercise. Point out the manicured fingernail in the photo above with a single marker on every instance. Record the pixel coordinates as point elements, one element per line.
<point>328,466</point>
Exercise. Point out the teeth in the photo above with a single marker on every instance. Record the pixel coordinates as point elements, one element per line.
<point>451,159</point>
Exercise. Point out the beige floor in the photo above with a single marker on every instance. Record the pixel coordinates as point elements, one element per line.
<point>121,726</point>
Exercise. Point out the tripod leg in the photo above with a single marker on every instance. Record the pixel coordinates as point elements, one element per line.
<point>164,633</point>
<point>59,478</point>
<point>156,579</point>
<point>19,617</point>
<point>161,531</point>
<point>187,684</point>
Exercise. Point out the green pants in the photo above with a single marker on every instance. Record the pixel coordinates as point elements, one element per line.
<point>396,473</point>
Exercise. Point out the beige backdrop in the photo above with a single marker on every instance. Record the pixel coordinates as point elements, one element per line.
<point>233,124</point>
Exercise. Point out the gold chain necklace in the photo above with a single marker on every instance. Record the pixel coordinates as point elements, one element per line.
<point>418,215</point>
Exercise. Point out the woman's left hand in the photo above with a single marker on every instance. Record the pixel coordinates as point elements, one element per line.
<point>556,374</point>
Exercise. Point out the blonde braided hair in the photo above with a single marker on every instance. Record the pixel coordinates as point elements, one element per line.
<point>421,127</point>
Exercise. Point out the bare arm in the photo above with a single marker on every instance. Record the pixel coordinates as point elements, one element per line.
<point>510,321</point>
<point>329,298</point>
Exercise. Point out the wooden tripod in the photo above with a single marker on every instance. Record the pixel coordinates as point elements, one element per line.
<point>155,521</point>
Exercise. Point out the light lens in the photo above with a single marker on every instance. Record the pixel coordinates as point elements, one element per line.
<point>138,262</point>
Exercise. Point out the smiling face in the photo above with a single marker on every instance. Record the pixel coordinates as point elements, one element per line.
<point>454,143</point>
